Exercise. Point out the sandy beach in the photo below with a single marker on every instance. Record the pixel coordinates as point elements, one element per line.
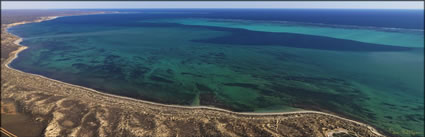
<point>53,101</point>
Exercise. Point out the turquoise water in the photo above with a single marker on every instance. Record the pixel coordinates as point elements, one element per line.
<point>374,75</point>
<point>387,36</point>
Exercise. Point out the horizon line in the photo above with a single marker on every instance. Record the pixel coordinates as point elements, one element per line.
<point>204,8</point>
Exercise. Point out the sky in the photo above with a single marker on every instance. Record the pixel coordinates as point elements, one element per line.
<point>211,4</point>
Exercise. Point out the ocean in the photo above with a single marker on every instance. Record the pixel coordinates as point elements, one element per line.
<point>366,65</point>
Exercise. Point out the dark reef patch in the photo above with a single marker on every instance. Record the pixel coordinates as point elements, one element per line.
<point>160,79</point>
<point>314,100</point>
<point>244,85</point>
<point>191,74</point>
<point>138,72</point>
<point>202,87</point>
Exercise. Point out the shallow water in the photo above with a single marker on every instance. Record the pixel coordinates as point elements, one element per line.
<point>377,35</point>
<point>366,74</point>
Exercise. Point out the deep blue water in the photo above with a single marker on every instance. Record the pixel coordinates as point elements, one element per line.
<point>391,18</point>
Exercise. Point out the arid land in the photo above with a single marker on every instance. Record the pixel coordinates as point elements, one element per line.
<point>45,107</point>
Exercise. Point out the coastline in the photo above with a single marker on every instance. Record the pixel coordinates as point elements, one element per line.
<point>128,99</point>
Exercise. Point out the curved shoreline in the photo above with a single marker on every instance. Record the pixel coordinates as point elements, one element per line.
<point>22,47</point>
